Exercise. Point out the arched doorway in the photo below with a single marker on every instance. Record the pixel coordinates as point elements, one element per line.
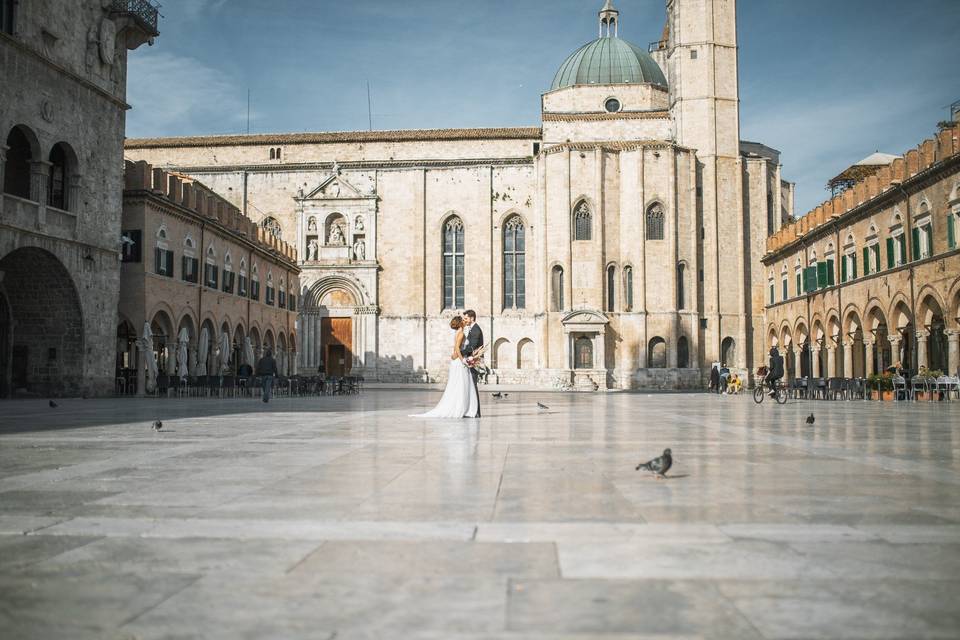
<point>44,323</point>
<point>337,326</point>
<point>728,352</point>
<point>163,342</point>
<point>683,353</point>
<point>902,321</point>
<point>657,353</point>
<point>22,149</point>
<point>934,351</point>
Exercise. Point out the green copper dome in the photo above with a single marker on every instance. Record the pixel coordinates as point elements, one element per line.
<point>608,60</point>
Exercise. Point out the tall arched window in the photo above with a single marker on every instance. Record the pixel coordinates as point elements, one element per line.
<point>655,221</point>
<point>611,288</point>
<point>657,353</point>
<point>681,286</point>
<point>16,176</point>
<point>514,264</point>
<point>628,288</point>
<point>556,288</point>
<point>453,264</point>
<point>582,221</point>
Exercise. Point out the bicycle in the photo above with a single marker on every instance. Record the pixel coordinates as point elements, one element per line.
<point>780,391</point>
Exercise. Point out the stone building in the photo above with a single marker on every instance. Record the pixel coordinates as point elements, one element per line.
<point>63,66</point>
<point>872,276</point>
<point>216,288</point>
<point>615,246</point>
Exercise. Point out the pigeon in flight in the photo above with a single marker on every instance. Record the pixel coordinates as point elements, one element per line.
<point>157,425</point>
<point>659,466</point>
<point>542,406</point>
<point>810,419</point>
<point>53,405</point>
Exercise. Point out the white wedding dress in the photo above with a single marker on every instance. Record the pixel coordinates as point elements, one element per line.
<point>459,399</point>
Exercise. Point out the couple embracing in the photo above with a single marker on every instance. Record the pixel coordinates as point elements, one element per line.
<point>460,399</point>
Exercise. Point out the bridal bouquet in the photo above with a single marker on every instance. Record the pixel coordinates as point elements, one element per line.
<point>475,361</point>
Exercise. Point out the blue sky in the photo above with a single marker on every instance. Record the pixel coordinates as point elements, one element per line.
<point>825,81</point>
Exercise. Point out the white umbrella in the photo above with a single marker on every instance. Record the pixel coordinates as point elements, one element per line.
<point>146,346</point>
<point>202,350</point>
<point>248,352</point>
<point>225,349</point>
<point>183,342</point>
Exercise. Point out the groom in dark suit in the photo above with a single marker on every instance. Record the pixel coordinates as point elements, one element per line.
<point>472,341</point>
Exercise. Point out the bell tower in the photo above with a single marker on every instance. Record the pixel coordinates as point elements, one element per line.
<point>704,104</point>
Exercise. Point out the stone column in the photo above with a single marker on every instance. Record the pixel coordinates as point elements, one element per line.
<point>567,355</point>
<point>894,341</point>
<point>39,177</point>
<point>953,351</point>
<point>922,337</point>
<point>814,361</point>
<point>848,358</point>
<point>831,362</point>
<point>868,355</point>
<point>797,362</point>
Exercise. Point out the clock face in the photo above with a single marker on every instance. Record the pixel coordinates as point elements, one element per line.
<point>108,40</point>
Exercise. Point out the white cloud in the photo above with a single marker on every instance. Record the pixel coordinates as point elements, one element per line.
<point>176,95</point>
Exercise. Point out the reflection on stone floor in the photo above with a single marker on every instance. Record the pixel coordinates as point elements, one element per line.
<point>323,517</point>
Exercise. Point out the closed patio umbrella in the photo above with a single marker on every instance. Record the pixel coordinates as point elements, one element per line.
<point>203,350</point>
<point>248,357</point>
<point>146,345</point>
<point>225,350</point>
<point>183,343</point>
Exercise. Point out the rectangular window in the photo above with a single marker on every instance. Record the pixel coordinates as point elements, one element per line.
<point>915,243</point>
<point>771,293</point>
<point>786,294</point>
<point>255,290</point>
<point>810,278</point>
<point>875,249</point>
<point>831,273</point>
<point>927,245</point>
<point>628,288</point>
<point>821,275</point>
<point>271,292</point>
<point>164,262</point>
<point>853,266</point>
<point>189,268</point>
<point>293,302</point>
<point>843,269</point>
<point>891,259</point>
<point>952,231</point>
<point>131,246</point>
<point>453,264</point>
<point>282,299</point>
<point>242,286</point>
<point>799,283</point>
<point>211,275</point>
<point>228,280</point>
<point>866,261</point>
<point>902,242</point>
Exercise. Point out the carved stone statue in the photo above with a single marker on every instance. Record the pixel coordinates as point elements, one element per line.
<point>359,250</point>
<point>336,235</point>
<point>312,250</point>
<point>312,224</point>
<point>358,223</point>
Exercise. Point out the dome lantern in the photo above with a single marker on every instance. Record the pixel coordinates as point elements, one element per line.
<point>609,20</point>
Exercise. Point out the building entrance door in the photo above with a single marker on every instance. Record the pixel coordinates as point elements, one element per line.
<point>337,340</point>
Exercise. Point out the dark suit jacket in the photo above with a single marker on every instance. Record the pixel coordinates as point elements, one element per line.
<point>472,341</point>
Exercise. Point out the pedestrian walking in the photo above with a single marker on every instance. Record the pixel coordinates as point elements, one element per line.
<point>267,370</point>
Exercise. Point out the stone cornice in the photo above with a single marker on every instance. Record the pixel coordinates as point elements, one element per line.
<point>400,135</point>
<point>190,216</point>
<point>360,165</point>
<point>622,115</point>
<point>613,146</point>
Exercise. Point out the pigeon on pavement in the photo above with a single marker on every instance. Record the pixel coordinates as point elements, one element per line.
<point>157,425</point>
<point>53,405</point>
<point>542,406</point>
<point>810,419</point>
<point>497,395</point>
<point>659,466</point>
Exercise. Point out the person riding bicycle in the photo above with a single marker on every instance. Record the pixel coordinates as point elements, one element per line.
<point>776,370</point>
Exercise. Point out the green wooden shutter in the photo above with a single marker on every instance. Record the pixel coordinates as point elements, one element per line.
<point>799,284</point>
<point>951,232</point>
<point>843,269</point>
<point>831,273</point>
<point>853,265</point>
<point>821,275</point>
<point>915,236</point>
<point>890,259</point>
<point>771,293</point>
<point>903,250</point>
<point>786,294</point>
<point>810,275</point>
<point>876,258</point>
<point>866,261</point>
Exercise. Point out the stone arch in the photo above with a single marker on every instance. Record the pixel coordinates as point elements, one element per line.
<point>45,324</point>
<point>501,354</point>
<point>164,339</point>
<point>930,305</point>
<point>581,219</point>
<point>853,343</point>
<point>773,338</point>
<point>268,340</point>
<point>526,354</point>
<point>327,284</point>
<point>899,314</point>
<point>931,327</point>
<point>655,220</point>
<point>953,299</point>
<point>206,362</point>
<point>657,353</point>
<point>255,341</point>
<point>875,329</point>
<point>786,336</point>
<point>23,150</point>
<point>728,351</point>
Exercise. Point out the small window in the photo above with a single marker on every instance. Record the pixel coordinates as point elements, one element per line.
<point>611,288</point>
<point>612,105</point>
<point>272,156</point>
<point>655,222</point>
<point>536,148</point>
<point>556,289</point>
<point>693,54</point>
<point>628,288</point>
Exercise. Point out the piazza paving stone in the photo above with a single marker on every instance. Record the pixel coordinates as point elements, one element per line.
<point>343,517</point>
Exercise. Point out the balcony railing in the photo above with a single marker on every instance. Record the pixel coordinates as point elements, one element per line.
<point>146,12</point>
<point>657,46</point>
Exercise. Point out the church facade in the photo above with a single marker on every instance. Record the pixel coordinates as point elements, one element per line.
<point>617,245</point>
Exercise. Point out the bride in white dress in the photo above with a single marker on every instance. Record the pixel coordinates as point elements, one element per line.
<point>459,399</point>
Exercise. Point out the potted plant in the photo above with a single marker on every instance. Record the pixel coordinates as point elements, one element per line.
<point>880,385</point>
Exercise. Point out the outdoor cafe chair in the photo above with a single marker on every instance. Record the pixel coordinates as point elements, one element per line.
<point>900,386</point>
<point>835,387</point>
<point>921,384</point>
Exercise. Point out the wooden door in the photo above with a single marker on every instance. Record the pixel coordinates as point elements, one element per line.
<point>336,335</point>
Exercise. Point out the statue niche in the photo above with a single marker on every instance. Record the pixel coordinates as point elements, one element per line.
<point>335,230</point>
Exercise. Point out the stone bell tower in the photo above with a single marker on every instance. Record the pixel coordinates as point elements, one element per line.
<point>700,51</point>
